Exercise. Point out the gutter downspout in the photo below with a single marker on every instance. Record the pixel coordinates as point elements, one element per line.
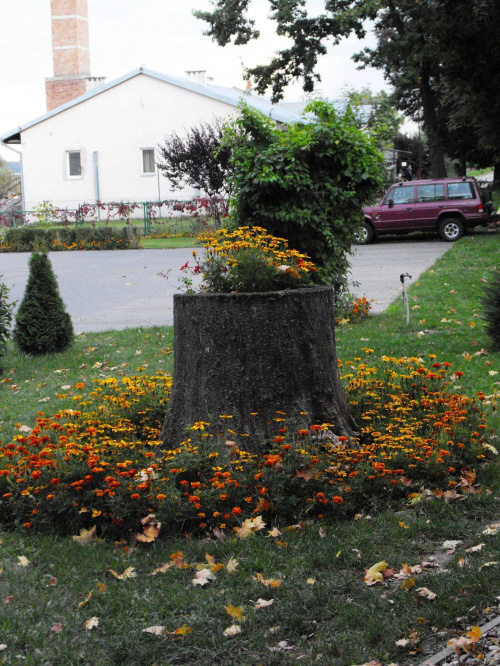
<point>19,152</point>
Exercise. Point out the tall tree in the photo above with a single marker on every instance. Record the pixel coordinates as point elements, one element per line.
<point>413,40</point>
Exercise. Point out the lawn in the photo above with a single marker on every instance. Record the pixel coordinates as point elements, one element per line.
<point>290,592</point>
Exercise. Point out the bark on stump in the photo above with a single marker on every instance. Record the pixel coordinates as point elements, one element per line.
<point>237,354</point>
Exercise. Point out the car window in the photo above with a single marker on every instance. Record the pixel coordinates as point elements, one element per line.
<point>460,191</point>
<point>432,192</point>
<point>402,195</point>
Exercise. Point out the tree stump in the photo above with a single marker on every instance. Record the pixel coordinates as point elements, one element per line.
<point>256,357</point>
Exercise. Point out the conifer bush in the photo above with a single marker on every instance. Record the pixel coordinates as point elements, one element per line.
<point>491,304</point>
<point>42,324</point>
<point>6,315</point>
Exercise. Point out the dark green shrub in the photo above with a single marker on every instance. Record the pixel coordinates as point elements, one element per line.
<point>491,304</point>
<point>6,308</point>
<point>42,324</point>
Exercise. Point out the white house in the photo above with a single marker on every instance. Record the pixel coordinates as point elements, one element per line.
<point>101,145</point>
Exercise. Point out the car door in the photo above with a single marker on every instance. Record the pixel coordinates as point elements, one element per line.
<point>396,211</point>
<point>430,201</point>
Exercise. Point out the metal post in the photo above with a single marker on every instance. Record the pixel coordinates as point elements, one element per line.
<point>406,305</point>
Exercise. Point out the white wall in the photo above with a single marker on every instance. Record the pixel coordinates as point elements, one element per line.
<point>136,114</point>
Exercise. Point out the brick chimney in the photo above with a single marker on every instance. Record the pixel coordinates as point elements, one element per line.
<point>70,51</point>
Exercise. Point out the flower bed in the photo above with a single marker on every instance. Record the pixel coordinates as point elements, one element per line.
<point>101,463</point>
<point>32,238</point>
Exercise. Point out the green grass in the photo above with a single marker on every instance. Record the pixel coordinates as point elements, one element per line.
<point>168,243</point>
<point>337,620</point>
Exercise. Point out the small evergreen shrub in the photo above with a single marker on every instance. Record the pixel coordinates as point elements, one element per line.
<point>6,308</point>
<point>42,324</point>
<point>491,304</point>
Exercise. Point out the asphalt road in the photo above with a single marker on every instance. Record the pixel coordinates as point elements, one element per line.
<point>106,290</point>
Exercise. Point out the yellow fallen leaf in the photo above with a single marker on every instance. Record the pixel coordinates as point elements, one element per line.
<point>492,529</point>
<point>23,561</point>
<point>311,581</point>
<point>269,582</point>
<point>86,536</point>
<point>163,568</point>
<point>281,544</point>
<point>149,533</point>
<point>232,630</point>
<point>487,564</point>
<point>235,611</point>
<point>92,623</point>
<point>274,532</point>
<point>408,584</point>
<point>101,587</point>
<point>373,574</point>
<point>475,549</point>
<point>129,572</point>
<point>182,631</point>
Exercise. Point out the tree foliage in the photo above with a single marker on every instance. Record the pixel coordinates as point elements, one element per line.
<point>6,315</point>
<point>8,181</point>
<point>198,160</point>
<point>42,324</point>
<point>442,58</point>
<point>306,182</point>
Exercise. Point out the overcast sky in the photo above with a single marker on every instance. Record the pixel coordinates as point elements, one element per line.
<point>160,34</point>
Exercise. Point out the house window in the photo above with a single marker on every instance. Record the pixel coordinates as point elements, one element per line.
<point>74,163</point>
<point>148,161</point>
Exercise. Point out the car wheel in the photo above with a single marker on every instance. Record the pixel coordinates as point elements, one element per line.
<point>364,234</point>
<point>451,229</point>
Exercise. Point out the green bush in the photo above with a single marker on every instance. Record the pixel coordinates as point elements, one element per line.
<point>42,324</point>
<point>306,183</point>
<point>491,304</point>
<point>33,238</point>
<point>6,308</point>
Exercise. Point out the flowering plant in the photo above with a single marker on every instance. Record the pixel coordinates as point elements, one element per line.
<point>248,260</point>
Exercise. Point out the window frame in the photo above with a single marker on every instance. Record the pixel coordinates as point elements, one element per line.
<point>68,164</point>
<point>148,173</point>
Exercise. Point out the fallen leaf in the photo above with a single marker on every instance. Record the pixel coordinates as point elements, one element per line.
<point>149,533</point>
<point>492,529</point>
<point>232,630</point>
<point>281,544</point>
<point>57,626</point>
<point>23,561</point>
<point>129,572</point>
<point>101,587</point>
<point>403,642</point>
<point>475,549</point>
<point>262,603</point>
<point>182,631</point>
<point>426,593</point>
<point>3,646</point>
<point>219,534</point>
<point>487,564</point>
<point>203,577</point>
<point>450,545</point>
<point>156,630</point>
<point>235,612</point>
<point>274,532</point>
<point>269,582</point>
<point>178,560</point>
<point>373,575</point>
<point>163,568</point>
<point>92,623</point>
<point>232,565</point>
<point>86,536</point>
<point>322,533</point>
<point>408,584</point>
<point>83,603</point>
<point>311,581</point>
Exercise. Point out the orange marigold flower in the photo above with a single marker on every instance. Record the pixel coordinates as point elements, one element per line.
<point>27,525</point>
<point>161,497</point>
<point>36,474</point>
<point>236,511</point>
<point>337,499</point>
<point>54,482</point>
<point>49,497</point>
<point>135,496</point>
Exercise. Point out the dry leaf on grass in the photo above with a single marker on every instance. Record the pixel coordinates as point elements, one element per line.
<point>92,623</point>
<point>262,603</point>
<point>23,561</point>
<point>476,549</point>
<point>426,593</point>
<point>203,577</point>
<point>83,603</point>
<point>374,574</point>
<point>269,582</point>
<point>232,630</point>
<point>129,572</point>
<point>235,611</point>
<point>232,565</point>
<point>86,536</point>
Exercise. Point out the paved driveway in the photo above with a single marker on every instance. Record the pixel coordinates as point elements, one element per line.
<point>114,290</point>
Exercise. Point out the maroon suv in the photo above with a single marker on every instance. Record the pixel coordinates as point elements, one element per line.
<point>447,205</point>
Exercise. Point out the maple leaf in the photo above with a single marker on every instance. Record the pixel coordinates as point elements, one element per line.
<point>450,545</point>
<point>475,549</point>
<point>492,529</point>
<point>426,593</point>
<point>250,526</point>
<point>86,536</point>
<point>373,575</point>
<point>235,612</point>
<point>182,631</point>
<point>311,581</point>
<point>178,560</point>
<point>83,603</point>
<point>232,565</point>
<point>304,473</point>
<point>23,561</point>
<point>263,505</point>
<point>274,532</point>
<point>219,534</point>
<point>57,626</point>
<point>163,568</point>
<point>269,582</point>
<point>467,476</point>
<point>464,642</point>
<point>203,577</point>
<point>129,572</point>
<point>232,630</point>
<point>149,533</point>
<point>408,584</point>
<point>487,564</point>
<point>262,603</point>
<point>403,642</point>
<point>101,587</point>
<point>92,623</point>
